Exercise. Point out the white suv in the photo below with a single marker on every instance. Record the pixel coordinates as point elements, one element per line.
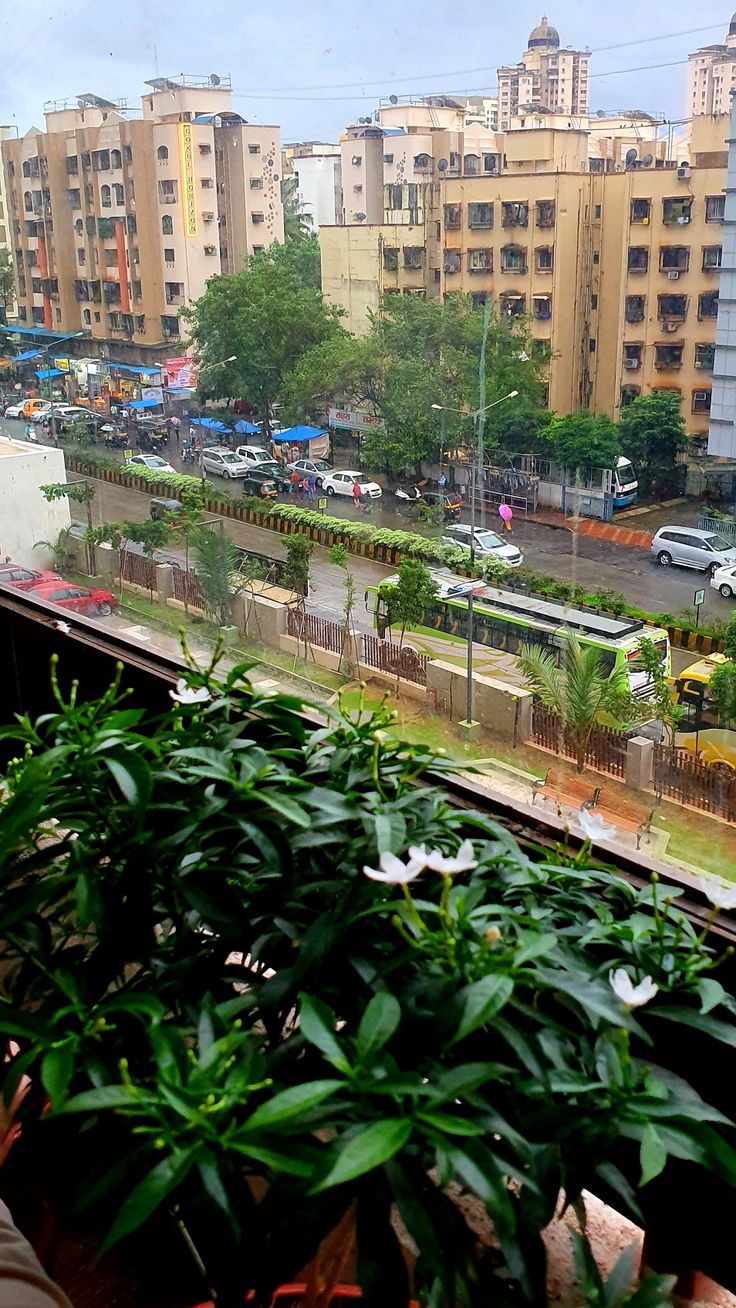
<point>253,454</point>
<point>224,463</point>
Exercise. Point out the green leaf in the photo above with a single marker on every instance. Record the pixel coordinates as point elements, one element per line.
<point>379,1021</point>
<point>711,993</point>
<point>317,1024</point>
<point>294,1163</point>
<point>652,1154</point>
<point>149,1194</point>
<point>622,1277</point>
<point>291,1103</point>
<point>57,1069</point>
<point>285,807</point>
<point>361,1153</point>
<point>451,1125</point>
<point>533,945</point>
<point>480,1002</point>
<point>106,1096</point>
<point>133,777</point>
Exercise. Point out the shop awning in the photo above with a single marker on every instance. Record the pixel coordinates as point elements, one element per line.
<point>27,354</point>
<point>42,373</point>
<point>297,435</point>
<point>211,424</point>
<point>245,428</point>
<point>144,404</point>
<point>134,367</point>
<point>15,330</point>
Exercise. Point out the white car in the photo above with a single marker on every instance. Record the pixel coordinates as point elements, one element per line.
<point>66,411</point>
<point>153,462</point>
<point>486,544</point>
<point>724,580</point>
<point>311,468</point>
<point>14,410</point>
<point>225,463</point>
<point>341,483</point>
<point>253,454</point>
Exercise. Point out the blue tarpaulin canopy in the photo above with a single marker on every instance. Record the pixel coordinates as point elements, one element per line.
<point>134,367</point>
<point>13,329</point>
<point>41,373</point>
<point>245,428</point>
<point>28,354</point>
<point>297,435</point>
<point>143,404</point>
<point>212,424</point>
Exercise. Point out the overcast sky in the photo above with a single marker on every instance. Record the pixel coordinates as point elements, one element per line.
<point>314,65</point>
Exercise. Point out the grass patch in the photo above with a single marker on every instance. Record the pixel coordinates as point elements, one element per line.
<point>697,839</point>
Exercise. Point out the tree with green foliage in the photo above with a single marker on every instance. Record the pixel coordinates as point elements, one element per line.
<point>652,434</point>
<point>79,492</point>
<point>729,639</point>
<point>407,599</point>
<point>659,703</point>
<point>7,282</point>
<point>578,690</point>
<point>722,692</point>
<point>580,442</point>
<point>296,573</point>
<point>216,562</point>
<point>267,315</point>
<point>340,557</point>
<point>297,222</point>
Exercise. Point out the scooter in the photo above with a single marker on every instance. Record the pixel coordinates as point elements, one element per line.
<point>405,497</point>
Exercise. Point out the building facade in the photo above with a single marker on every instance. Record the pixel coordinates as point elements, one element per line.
<point>711,76</point>
<point>616,268</point>
<point>722,429</point>
<point>317,167</point>
<point>548,77</point>
<point>116,222</point>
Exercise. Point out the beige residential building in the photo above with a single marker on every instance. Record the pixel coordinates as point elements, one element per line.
<point>711,76</point>
<point>117,221</point>
<point>616,270</point>
<point>548,77</point>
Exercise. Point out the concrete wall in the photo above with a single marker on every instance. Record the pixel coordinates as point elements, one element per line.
<point>25,516</point>
<point>505,709</point>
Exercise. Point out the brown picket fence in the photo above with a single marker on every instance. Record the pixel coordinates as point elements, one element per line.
<point>680,776</point>
<point>606,747</point>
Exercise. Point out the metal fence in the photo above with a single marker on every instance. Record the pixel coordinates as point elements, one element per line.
<point>313,630</point>
<point>606,748</point>
<point>721,526</point>
<point>397,660</point>
<point>186,587</point>
<point>680,776</point>
<point>138,570</point>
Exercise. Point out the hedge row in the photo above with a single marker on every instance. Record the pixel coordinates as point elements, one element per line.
<point>388,546</point>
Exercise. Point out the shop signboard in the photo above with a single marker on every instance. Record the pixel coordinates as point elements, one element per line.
<point>353,420</point>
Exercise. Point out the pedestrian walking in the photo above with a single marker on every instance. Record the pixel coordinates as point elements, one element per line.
<point>310,487</point>
<point>442,481</point>
<point>176,425</point>
<point>295,482</point>
<point>505,513</point>
<point>356,494</point>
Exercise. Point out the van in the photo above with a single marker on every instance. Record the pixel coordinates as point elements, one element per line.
<point>692,548</point>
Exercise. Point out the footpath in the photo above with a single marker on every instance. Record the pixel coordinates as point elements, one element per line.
<point>619,531</point>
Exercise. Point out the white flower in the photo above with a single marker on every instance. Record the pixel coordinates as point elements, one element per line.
<point>394,872</point>
<point>593,825</point>
<point>61,626</point>
<point>463,860</point>
<point>629,994</point>
<point>185,694</point>
<point>720,895</point>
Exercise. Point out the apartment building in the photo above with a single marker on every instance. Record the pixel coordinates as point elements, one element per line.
<point>317,168</point>
<point>615,266</point>
<point>711,76</point>
<point>117,221</point>
<point>548,77</point>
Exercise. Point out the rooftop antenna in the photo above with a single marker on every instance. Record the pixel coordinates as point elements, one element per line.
<point>393,99</point>
<point>441,165</point>
<point>600,113</point>
<point>630,158</point>
<point>647,161</point>
<point>214,79</point>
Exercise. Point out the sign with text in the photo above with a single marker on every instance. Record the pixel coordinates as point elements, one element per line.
<point>180,371</point>
<point>353,420</point>
<point>186,154</point>
<point>699,598</point>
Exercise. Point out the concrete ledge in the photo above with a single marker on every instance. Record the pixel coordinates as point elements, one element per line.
<point>324,658</point>
<point>406,689</point>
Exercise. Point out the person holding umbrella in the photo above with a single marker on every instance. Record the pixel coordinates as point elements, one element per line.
<point>505,514</point>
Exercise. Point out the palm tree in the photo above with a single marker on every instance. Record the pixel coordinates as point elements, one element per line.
<point>577,690</point>
<point>297,223</point>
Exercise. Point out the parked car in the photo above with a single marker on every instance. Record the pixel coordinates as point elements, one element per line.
<point>341,483</point>
<point>159,507</point>
<point>724,580</point>
<point>254,454</point>
<point>152,461</point>
<point>311,468</point>
<point>486,543</point>
<point>20,578</point>
<point>32,406</point>
<point>257,483</point>
<point>690,547</point>
<point>77,599</point>
<point>272,470</point>
<point>224,463</point>
<point>14,410</point>
<point>449,501</point>
<point>67,413</point>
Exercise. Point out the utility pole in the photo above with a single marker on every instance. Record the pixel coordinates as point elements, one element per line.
<point>476,487</point>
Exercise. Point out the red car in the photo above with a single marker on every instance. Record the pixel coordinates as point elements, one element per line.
<point>20,578</point>
<point>77,599</point>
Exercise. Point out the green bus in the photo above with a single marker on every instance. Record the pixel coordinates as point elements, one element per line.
<point>505,620</point>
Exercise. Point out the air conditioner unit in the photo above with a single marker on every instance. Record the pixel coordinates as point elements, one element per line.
<point>166,331</point>
<point>698,364</point>
<point>673,275</point>
<point>683,172</point>
<point>210,249</point>
<point>668,326</point>
<point>631,363</point>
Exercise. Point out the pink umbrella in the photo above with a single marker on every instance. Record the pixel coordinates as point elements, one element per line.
<point>505,512</point>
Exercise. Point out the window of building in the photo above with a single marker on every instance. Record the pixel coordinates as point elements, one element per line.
<point>677,209</point>
<point>542,307</point>
<point>167,225</point>
<point>700,401</point>
<point>140,322</point>
<point>205,147</point>
<point>28,201</point>
<point>668,356</point>
<point>480,216</point>
<point>101,161</point>
<point>86,317</point>
<point>715,208</point>
<point>478,299</point>
<point>638,261</point>
<point>480,261</point>
<point>596,211</point>
<point>111,258</point>
<point>454,164</point>
<point>514,213</point>
<point>72,165</point>
<point>174,291</point>
<point>169,255</point>
<point>131,191</point>
<point>167,191</point>
<point>30,167</point>
<point>73,196</point>
<point>545,211</point>
<point>634,308</point>
<point>162,153</point>
<point>490,163</point>
<point>391,258</point>
<point>105,197</point>
<point>641,211</point>
<point>169,325</point>
<point>254,149</point>
<point>632,354</point>
<point>388,158</point>
<point>22,312</point>
<point>131,224</point>
<point>89,195</point>
<point>708,304</point>
<point>591,344</point>
<point>37,315</point>
<point>512,306</point>
<point>711,257</point>
<point>674,258</point>
<point>544,258</point>
<point>422,161</point>
<point>394,196</point>
<point>672,307</point>
<point>453,217</point>
<point>86,160</point>
<point>127,154</point>
<point>255,183</point>
<point>256,217</point>
<point>36,286</point>
<point>81,254</point>
<point>513,259</point>
<point>413,256</point>
<point>629,394</point>
<point>705,356</point>
<point>79,226</point>
<point>597,165</point>
<point>471,165</point>
<point>97,317</point>
<point>115,159</point>
<point>118,193</point>
<point>594,301</point>
<point>596,256</point>
<point>452,261</point>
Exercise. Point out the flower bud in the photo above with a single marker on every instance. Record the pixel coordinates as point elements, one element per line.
<point>493,935</point>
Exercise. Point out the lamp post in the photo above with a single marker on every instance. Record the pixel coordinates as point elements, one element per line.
<point>44,349</point>
<point>477,416</point>
<point>211,367</point>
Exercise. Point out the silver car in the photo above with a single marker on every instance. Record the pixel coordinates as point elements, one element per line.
<point>225,463</point>
<point>690,547</point>
<point>486,544</point>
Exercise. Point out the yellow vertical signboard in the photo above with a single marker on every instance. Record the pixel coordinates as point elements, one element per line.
<point>186,150</point>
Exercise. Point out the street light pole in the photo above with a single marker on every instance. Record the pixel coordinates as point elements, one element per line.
<point>43,349</point>
<point>210,367</point>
